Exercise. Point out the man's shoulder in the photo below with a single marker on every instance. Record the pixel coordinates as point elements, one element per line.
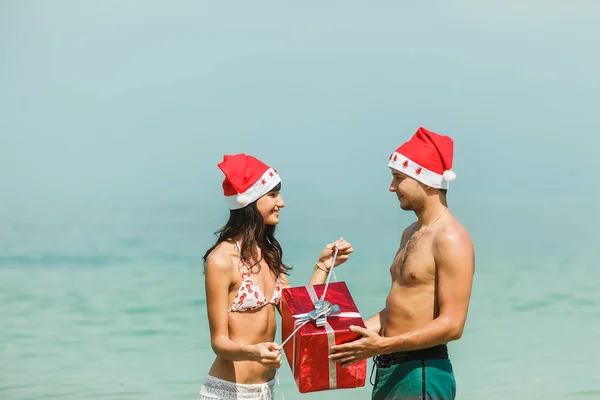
<point>453,249</point>
<point>453,236</point>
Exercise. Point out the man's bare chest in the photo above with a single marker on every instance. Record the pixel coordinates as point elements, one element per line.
<point>415,267</point>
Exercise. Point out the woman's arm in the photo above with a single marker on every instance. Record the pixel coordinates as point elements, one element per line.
<point>323,264</point>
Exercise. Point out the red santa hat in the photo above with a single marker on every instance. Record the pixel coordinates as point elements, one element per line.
<point>426,157</point>
<point>246,179</point>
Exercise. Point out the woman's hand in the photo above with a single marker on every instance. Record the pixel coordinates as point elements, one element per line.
<point>326,257</point>
<point>268,354</point>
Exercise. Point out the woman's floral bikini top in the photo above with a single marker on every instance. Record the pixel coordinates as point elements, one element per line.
<point>249,296</point>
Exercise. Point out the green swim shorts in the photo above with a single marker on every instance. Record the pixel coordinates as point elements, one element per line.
<point>423,374</point>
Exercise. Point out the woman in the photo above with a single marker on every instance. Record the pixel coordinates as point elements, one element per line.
<point>244,279</point>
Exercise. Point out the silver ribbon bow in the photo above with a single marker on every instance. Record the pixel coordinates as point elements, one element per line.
<point>323,310</point>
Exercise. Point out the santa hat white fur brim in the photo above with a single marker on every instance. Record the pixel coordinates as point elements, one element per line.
<point>255,192</point>
<point>432,179</point>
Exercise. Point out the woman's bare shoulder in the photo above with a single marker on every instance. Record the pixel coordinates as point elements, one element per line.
<point>222,258</point>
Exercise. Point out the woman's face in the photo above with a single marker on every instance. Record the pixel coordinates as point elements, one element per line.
<point>269,205</point>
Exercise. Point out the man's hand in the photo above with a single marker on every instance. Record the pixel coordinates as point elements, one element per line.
<point>366,347</point>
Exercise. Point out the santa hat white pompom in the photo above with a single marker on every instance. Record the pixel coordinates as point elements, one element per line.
<point>449,175</point>
<point>243,199</point>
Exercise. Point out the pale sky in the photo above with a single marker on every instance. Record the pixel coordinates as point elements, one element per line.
<point>133,100</point>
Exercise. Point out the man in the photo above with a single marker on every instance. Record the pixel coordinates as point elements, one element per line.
<point>432,275</point>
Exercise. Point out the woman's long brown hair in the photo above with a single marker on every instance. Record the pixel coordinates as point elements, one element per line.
<point>248,224</point>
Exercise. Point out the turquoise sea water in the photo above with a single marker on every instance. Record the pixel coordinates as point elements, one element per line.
<point>114,115</point>
<point>108,302</point>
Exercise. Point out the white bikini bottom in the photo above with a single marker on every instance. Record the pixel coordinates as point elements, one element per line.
<point>215,388</point>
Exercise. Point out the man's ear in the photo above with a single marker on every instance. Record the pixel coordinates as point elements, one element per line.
<point>428,189</point>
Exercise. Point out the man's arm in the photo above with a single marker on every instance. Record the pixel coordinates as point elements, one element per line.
<point>455,263</point>
<point>373,324</point>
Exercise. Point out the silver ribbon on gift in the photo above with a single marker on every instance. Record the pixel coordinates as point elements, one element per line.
<point>323,310</point>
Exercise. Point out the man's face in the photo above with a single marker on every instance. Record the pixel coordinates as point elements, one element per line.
<point>409,191</point>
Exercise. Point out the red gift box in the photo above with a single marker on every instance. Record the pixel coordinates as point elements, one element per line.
<point>307,351</point>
